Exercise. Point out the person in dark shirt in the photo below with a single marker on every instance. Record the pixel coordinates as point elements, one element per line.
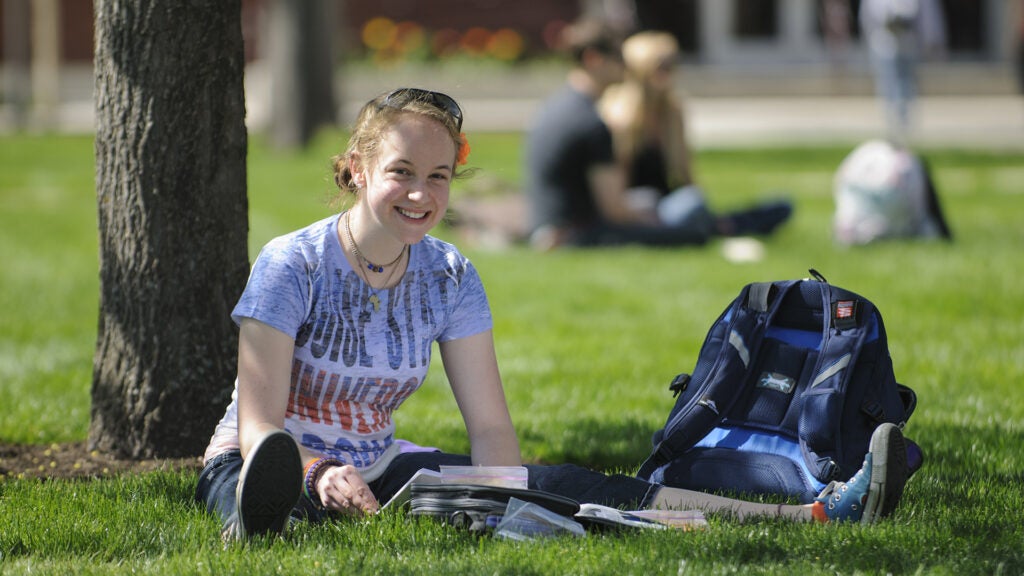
<point>577,189</point>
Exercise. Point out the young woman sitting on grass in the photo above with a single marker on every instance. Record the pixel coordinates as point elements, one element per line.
<point>336,326</point>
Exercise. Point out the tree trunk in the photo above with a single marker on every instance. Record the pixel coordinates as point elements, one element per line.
<point>173,222</point>
<point>301,56</point>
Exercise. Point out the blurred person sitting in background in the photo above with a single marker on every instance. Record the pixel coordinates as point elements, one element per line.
<point>577,187</point>
<point>648,126</point>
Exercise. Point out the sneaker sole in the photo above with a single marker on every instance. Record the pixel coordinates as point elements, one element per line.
<point>888,472</point>
<point>269,485</point>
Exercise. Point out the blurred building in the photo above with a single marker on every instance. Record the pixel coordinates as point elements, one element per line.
<point>731,47</point>
<point>795,31</point>
<point>710,31</point>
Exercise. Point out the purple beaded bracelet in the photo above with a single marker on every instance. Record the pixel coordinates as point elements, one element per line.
<point>313,471</point>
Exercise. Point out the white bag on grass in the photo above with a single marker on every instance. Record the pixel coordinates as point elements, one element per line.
<point>885,191</point>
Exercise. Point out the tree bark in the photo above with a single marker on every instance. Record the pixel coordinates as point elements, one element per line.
<point>173,221</point>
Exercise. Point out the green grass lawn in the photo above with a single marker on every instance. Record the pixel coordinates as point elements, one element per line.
<point>588,342</point>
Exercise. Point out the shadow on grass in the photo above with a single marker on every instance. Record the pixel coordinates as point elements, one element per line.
<point>592,443</point>
<point>972,468</point>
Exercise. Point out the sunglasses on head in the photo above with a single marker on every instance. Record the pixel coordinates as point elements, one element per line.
<point>443,102</point>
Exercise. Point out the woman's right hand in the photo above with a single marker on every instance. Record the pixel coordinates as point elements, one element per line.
<point>342,488</point>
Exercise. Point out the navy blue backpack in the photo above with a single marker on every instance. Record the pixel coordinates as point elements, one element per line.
<point>791,381</point>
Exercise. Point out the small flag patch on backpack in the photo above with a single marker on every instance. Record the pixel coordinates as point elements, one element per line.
<point>844,314</point>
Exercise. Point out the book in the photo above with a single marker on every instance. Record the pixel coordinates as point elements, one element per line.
<point>596,514</point>
<point>423,476</point>
<point>499,476</point>
<point>685,519</point>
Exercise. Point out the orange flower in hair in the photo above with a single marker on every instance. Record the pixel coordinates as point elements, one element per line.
<point>463,150</point>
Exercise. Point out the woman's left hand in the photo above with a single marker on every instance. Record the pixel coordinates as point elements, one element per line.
<point>342,488</point>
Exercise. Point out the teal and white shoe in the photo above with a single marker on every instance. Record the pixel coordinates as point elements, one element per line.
<point>875,490</point>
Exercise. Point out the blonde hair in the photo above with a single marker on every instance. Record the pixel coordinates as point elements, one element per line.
<point>645,52</point>
<point>628,108</point>
<point>374,119</point>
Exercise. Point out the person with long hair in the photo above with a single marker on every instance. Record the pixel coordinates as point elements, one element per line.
<point>649,130</point>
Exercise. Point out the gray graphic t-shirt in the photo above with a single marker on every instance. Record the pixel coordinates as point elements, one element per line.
<point>359,353</point>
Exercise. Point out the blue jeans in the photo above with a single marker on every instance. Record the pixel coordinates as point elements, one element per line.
<point>219,479</point>
<point>896,84</point>
<point>606,234</point>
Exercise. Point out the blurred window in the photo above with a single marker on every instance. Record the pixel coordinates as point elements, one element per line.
<point>678,17</point>
<point>756,19</point>
<point>965,26</point>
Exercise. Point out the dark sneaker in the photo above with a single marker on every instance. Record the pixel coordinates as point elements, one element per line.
<point>269,485</point>
<point>876,489</point>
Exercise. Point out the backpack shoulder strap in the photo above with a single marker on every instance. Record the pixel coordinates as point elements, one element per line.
<point>849,322</point>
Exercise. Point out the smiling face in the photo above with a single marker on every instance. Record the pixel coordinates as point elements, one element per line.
<point>406,184</point>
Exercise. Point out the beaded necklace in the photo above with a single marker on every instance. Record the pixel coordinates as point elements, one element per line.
<point>374,298</point>
<point>378,268</point>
